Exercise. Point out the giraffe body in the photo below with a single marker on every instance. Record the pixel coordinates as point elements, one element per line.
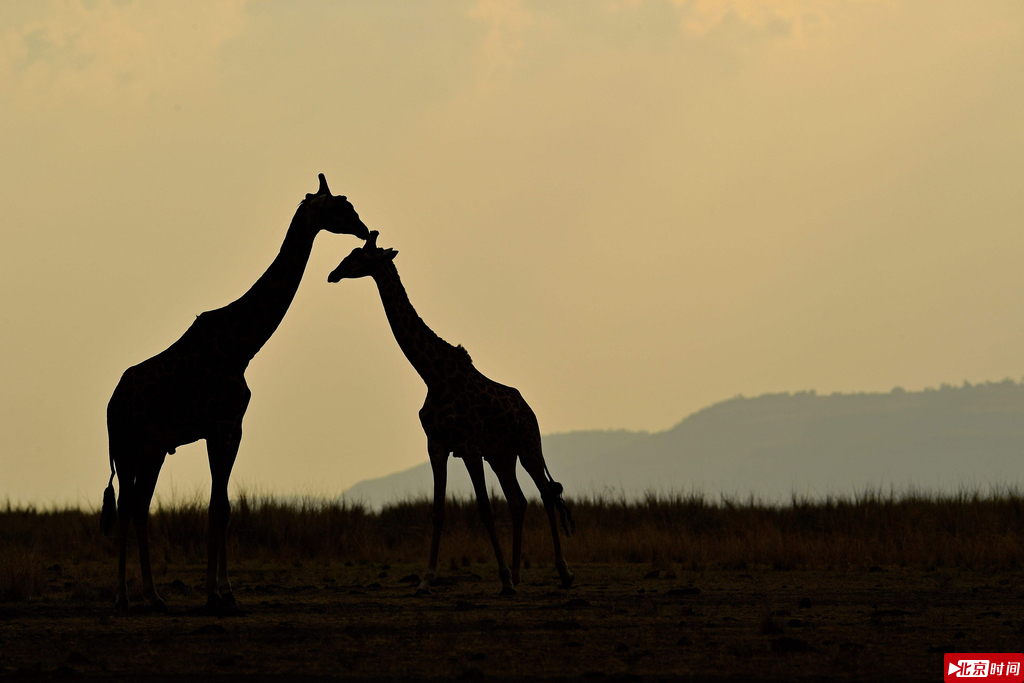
<point>182,394</point>
<point>467,415</point>
<point>196,389</point>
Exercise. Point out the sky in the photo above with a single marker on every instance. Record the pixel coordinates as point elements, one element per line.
<point>626,209</point>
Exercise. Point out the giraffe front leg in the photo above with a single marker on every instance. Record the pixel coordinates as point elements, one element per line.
<point>439,466</point>
<point>222,452</point>
<point>223,583</point>
<point>213,599</point>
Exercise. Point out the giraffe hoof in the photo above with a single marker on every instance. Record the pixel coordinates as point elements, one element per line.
<point>567,580</point>
<point>121,605</point>
<point>158,606</point>
<point>423,591</point>
<point>229,599</point>
<point>508,590</point>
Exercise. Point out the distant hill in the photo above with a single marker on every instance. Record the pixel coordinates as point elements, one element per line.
<point>777,445</point>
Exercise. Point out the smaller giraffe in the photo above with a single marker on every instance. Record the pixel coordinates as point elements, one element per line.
<point>468,415</point>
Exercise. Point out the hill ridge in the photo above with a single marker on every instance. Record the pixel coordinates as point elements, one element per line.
<point>777,444</point>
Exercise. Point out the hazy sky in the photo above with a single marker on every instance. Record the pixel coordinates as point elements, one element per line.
<point>628,210</point>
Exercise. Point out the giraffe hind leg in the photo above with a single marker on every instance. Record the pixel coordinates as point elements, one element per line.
<point>475,465</point>
<point>145,484</point>
<point>551,495</point>
<point>505,469</point>
<point>116,514</point>
<point>124,503</point>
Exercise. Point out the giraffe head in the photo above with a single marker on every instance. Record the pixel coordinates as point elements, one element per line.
<point>363,261</point>
<point>335,214</point>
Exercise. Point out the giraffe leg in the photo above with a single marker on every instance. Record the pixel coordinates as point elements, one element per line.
<point>533,463</point>
<point>144,486</point>
<point>439,466</point>
<point>223,583</point>
<point>124,505</point>
<point>222,452</point>
<point>123,457</point>
<point>475,465</point>
<point>506,472</point>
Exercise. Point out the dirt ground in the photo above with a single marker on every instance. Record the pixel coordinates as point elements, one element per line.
<point>619,622</point>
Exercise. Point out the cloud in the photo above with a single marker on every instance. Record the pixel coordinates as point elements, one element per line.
<point>781,17</point>
<point>89,53</point>
<point>507,21</point>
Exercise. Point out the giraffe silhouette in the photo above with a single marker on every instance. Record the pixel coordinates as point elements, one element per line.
<point>196,390</point>
<point>466,414</point>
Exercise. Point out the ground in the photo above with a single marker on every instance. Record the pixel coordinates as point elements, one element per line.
<point>618,622</point>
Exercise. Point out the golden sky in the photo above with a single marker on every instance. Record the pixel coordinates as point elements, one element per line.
<point>626,209</point>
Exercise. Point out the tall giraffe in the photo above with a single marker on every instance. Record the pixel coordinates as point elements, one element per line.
<point>468,415</point>
<point>196,390</point>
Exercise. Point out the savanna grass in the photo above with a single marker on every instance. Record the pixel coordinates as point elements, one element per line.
<point>968,530</point>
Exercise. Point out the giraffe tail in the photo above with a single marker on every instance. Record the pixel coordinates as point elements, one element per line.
<point>108,515</point>
<point>568,525</point>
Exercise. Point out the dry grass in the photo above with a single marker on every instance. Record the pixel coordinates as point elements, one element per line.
<point>20,575</point>
<point>968,530</point>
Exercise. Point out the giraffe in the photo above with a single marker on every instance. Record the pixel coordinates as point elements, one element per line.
<point>196,389</point>
<point>466,414</point>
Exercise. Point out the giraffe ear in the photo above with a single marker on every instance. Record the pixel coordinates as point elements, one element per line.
<point>390,254</point>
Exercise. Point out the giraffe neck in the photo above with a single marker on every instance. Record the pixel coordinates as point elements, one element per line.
<point>429,355</point>
<point>247,323</point>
